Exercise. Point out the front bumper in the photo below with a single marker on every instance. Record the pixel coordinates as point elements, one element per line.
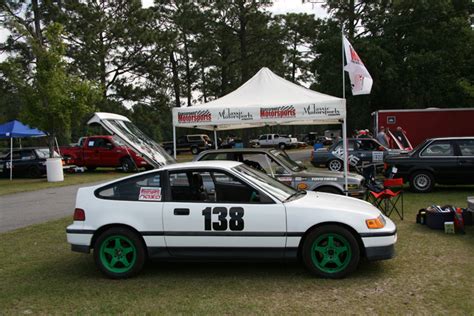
<point>380,253</point>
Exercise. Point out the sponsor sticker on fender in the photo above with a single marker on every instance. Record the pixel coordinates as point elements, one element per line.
<point>150,194</point>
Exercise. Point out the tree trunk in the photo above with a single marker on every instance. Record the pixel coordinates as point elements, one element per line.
<point>174,69</point>
<point>243,42</point>
<point>103,67</point>
<point>188,69</point>
<point>295,46</point>
<point>204,83</point>
<point>37,20</point>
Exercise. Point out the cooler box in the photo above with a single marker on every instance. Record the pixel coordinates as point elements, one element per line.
<point>436,220</point>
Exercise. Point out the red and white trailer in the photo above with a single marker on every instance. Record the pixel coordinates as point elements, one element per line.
<point>420,124</point>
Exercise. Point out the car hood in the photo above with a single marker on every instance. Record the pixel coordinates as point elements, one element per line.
<point>335,202</point>
<point>127,132</point>
<point>337,176</point>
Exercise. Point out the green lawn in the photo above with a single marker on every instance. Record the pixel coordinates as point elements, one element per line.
<point>24,184</point>
<point>433,273</point>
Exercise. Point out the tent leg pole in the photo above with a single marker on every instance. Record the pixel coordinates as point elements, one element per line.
<point>174,141</point>
<point>346,166</point>
<point>11,158</point>
<point>215,138</point>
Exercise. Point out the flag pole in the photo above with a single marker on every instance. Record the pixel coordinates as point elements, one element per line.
<point>344,123</point>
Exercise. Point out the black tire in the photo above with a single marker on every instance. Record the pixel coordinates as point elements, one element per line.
<point>328,189</point>
<point>34,172</point>
<point>128,240</point>
<point>128,165</point>
<point>194,150</point>
<point>169,151</point>
<point>422,181</point>
<point>337,265</point>
<point>335,165</point>
<point>91,168</point>
<point>282,146</point>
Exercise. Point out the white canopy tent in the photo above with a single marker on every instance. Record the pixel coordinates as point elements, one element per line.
<point>265,99</point>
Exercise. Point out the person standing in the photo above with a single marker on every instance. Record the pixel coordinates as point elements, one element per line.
<point>382,137</point>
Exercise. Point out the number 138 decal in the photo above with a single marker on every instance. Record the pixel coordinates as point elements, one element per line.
<point>235,221</point>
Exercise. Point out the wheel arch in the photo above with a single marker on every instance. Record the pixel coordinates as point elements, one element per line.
<point>420,168</point>
<point>102,229</point>
<point>343,225</point>
<point>318,187</point>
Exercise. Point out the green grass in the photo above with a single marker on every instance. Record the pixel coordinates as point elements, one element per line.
<point>433,273</point>
<point>24,185</point>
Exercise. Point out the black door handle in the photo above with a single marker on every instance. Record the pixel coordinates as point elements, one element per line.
<point>181,211</point>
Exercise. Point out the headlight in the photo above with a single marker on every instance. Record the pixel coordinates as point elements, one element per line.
<point>375,223</point>
<point>352,186</point>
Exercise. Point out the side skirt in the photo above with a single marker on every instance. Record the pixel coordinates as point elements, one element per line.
<point>221,253</point>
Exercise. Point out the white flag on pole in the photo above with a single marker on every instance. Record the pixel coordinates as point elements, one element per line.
<point>361,81</point>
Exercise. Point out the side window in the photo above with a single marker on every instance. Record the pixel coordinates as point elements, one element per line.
<point>141,188</point>
<point>27,155</point>
<point>229,189</point>
<point>276,136</point>
<point>16,155</point>
<point>466,146</point>
<point>263,137</point>
<point>210,186</point>
<point>105,143</point>
<point>215,156</point>
<point>439,149</point>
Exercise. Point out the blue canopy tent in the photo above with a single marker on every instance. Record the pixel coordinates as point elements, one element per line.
<point>16,129</point>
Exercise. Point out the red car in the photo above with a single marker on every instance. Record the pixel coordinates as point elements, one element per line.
<point>103,151</point>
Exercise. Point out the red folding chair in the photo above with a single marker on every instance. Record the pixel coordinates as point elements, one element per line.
<point>390,199</point>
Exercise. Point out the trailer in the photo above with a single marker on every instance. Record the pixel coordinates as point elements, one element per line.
<point>420,124</point>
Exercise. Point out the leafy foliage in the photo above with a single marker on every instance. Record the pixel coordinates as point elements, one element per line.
<point>67,58</point>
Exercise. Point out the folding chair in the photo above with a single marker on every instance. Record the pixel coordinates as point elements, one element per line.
<point>394,196</point>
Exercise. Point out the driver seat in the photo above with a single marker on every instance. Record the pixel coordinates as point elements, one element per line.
<point>197,187</point>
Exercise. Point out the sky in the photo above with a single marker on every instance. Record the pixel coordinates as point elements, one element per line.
<point>279,7</point>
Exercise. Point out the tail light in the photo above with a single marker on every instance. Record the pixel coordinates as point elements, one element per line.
<point>312,154</point>
<point>385,166</point>
<point>79,214</point>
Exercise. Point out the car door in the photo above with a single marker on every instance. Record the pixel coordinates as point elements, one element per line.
<point>264,140</point>
<point>465,161</point>
<point>91,151</point>
<point>440,157</point>
<point>211,213</point>
<point>108,153</point>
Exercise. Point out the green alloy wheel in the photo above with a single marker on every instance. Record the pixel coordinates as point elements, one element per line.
<point>331,251</point>
<point>119,253</point>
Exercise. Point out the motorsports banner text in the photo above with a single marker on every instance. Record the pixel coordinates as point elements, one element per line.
<point>194,116</point>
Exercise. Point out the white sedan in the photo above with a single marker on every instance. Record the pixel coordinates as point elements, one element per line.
<point>224,210</point>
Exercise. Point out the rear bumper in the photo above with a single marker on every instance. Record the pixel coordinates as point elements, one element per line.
<point>380,253</point>
<point>80,248</point>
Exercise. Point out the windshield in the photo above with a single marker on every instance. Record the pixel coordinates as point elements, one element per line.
<point>44,153</point>
<point>417,148</point>
<point>275,188</point>
<point>286,161</point>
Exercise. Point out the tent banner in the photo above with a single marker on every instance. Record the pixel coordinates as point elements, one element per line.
<point>254,115</point>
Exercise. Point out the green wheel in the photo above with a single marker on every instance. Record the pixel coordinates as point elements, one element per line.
<point>119,253</point>
<point>331,251</point>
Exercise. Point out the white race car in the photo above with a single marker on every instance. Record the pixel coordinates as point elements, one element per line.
<point>224,210</point>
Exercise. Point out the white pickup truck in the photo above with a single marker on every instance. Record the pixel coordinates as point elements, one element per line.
<point>274,140</point>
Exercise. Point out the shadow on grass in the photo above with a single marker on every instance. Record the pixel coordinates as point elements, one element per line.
<point>82,267</point>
